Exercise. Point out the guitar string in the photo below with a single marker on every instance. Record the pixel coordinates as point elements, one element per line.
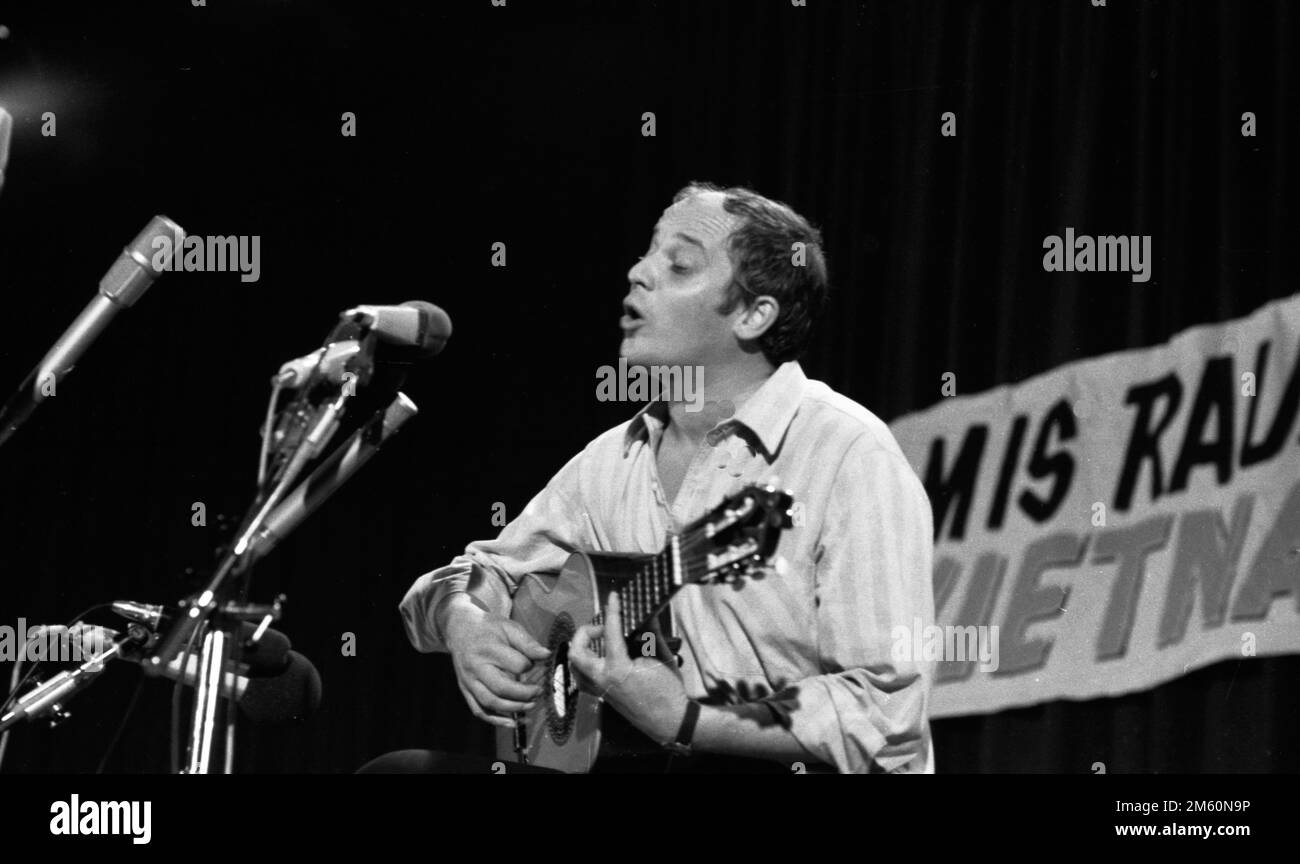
<point>651,585</point>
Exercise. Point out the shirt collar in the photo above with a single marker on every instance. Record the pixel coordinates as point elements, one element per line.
<point>767,413</point>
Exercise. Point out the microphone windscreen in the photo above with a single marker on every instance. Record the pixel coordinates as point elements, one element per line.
<point>435,327</point>
<point>290,697</point>
<point>148,257</point>
<point>268,656</point>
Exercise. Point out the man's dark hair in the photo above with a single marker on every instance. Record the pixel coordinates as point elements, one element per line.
<point>762,251</point>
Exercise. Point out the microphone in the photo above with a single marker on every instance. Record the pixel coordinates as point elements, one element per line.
<point>326,364</point>
<point>55,642</point>
<point>392,338</point>
<point>129,277</point>
<point>50,696</point>
<point>6,132</point>
<point>151,615</point>
<point>266,656</point>
<point>415,324</point>
<point>346,351</point>
<point>414,330</point>
<point>295,372</point>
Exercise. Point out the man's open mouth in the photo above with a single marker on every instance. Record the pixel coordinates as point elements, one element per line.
<point>631,317</point>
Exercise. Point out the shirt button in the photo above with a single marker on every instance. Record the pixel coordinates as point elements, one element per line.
<point>733,457</point>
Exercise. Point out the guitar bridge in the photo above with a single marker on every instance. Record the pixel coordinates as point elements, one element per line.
<point>521,739</point>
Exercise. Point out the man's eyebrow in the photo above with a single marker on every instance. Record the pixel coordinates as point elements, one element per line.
<point>686,237</point>
<point>689,239</point>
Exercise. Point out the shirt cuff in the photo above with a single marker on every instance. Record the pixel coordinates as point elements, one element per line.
<point>427,593</point>
<point>832,717</point>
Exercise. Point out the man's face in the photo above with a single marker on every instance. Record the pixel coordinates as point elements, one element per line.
<point>670,315</point>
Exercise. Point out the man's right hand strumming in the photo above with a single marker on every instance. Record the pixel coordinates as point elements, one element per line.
<point>489,652</point>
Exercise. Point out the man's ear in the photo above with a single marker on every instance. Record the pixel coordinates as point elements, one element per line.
<point>756,320</point>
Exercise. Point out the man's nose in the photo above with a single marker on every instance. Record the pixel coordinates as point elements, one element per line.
<point>638,275</point>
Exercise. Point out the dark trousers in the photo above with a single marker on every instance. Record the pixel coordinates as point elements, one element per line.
<point>442,762</point>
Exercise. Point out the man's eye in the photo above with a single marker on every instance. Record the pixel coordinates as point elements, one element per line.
<point>680,268</point>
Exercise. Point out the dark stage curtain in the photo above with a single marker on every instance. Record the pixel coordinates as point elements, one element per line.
<point>522,125</point>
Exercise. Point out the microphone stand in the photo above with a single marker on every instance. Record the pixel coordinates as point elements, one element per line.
<point>238,557</point>
<point>345,461</point>
<point>210,616</point>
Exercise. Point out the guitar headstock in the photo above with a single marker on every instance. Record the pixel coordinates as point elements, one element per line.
<point>738,537</point>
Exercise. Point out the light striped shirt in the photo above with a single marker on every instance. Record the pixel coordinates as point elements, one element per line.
<point>817,640</point>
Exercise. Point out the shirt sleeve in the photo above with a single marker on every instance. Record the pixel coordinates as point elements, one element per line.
<point>868,712</point>
<point>538,540</point>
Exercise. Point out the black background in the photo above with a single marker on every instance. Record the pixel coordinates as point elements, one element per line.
<point>522,125</point>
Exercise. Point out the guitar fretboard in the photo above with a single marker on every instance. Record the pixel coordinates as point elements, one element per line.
<point>649,587</point>
<point>710,544</point>
<point>644,583</point>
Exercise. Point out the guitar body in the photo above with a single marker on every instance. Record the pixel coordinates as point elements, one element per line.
<point>563,730</point>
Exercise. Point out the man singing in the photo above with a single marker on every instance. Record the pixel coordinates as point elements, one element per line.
<point>798,667</point>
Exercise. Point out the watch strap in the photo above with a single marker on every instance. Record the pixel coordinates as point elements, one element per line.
<point>686,732</point>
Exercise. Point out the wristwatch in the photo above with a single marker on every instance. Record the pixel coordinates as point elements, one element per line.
<point>681,745</point>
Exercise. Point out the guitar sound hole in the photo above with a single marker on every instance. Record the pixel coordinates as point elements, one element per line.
<point>562,695</point>
<point>560,681</point>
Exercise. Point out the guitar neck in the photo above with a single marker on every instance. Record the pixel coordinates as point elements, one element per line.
<point>724,545</point>
<point>644,582</point>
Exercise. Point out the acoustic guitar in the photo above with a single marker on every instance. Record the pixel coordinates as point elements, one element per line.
<point>734,541</point>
